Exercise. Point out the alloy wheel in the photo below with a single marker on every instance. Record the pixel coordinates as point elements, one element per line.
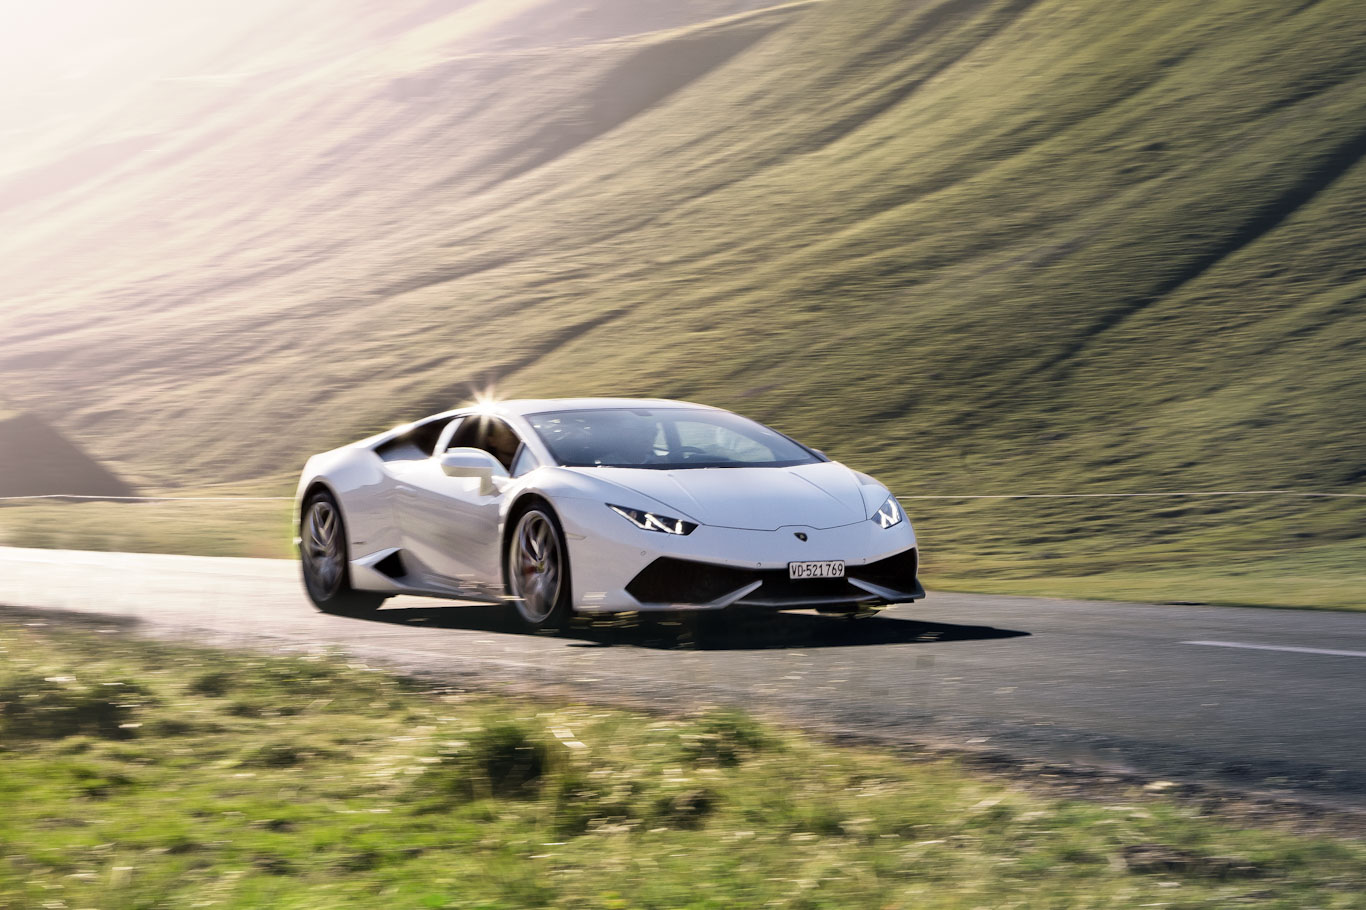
<point>322,548</point>
<point>536,567</point>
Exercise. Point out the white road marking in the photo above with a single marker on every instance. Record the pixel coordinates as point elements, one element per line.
<point>1303,493</point>
<point>1238,644</point>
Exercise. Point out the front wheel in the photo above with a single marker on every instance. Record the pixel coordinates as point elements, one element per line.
<point>323,554</point>
<point>538,570</point>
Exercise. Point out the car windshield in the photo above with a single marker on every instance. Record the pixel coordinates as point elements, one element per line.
<point>665,438</point>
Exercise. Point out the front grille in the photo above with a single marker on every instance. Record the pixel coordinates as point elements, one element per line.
<point>778,585</point>
<point>682,581</point>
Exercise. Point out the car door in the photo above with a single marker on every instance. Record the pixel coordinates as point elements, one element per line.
<point>448,524</point>
<point>378,503</point>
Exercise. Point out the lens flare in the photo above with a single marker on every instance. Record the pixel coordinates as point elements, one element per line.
<point>485,400</point>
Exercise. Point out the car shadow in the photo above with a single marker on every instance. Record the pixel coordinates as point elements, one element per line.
<point>724,631</point>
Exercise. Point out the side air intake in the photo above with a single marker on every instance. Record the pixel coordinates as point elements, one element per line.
<point>392,565</point>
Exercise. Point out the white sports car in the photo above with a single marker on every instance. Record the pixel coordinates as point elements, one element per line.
<point>598,505</point>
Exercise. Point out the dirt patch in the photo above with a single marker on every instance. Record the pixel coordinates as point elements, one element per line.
<point>36,460</point>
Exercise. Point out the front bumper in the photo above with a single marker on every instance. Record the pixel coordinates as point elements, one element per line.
<point>675,583</point>
<point>616,567</point>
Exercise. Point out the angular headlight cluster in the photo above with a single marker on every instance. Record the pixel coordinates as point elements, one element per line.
<point>890,515</point>
<point>649,521</point>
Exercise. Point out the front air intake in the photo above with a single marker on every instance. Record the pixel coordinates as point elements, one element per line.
<point>897,572</point>
<point>681,581</point>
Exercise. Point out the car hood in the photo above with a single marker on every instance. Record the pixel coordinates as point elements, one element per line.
<point>822,495</point>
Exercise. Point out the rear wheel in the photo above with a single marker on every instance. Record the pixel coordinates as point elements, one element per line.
<point>538,570</point>
<point>323,555</point>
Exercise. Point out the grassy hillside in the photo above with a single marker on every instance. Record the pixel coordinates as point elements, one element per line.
<point>973,246</point>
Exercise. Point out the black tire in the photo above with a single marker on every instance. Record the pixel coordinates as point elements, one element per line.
<point>323,558</point>
<point>540,596</point>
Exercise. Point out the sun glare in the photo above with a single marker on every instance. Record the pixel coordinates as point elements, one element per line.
<point>485,399</point>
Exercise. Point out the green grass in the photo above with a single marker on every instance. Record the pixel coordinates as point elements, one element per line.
<point>135,774</point>
<point>970,246</point>
<point>261,529</point>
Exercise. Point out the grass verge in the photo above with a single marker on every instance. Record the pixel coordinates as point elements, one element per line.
<point>1168,551</point>
<point>243,528</point>
<point>137,774</point>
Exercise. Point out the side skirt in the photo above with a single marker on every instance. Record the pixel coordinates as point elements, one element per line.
<point>395,571</point>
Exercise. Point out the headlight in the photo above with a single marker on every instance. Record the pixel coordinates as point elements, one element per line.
<point>650,521</point>
<point>890,515</point>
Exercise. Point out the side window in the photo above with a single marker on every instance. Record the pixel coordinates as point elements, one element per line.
<point>525,462</point>
<point>415,444</point>
<point>490,434</point>
<point>501,442</point>
<point>466,436</point>
<point>436,436</point>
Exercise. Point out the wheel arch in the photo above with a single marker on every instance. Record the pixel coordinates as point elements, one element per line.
<point>314,486</point>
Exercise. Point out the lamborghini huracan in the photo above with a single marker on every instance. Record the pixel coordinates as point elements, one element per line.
<point>599,505</point>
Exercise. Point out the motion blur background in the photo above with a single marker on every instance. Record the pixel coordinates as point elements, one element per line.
<point>970,246</point>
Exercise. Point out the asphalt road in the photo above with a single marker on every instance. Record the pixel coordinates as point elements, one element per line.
<point>1271,700</point>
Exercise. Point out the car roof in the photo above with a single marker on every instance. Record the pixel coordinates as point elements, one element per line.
<point>524,406</point>
<point>521,407</point>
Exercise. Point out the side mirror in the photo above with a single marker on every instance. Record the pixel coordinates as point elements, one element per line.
<point>465,462</point>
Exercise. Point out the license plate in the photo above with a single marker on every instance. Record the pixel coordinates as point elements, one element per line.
<point>829,569</point>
